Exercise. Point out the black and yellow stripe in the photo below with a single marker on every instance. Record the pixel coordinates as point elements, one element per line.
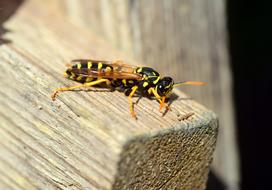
<point>83,67</point>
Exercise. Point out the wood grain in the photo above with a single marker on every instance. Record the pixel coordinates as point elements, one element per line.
<point>181,38</point>
<point>87,140</point>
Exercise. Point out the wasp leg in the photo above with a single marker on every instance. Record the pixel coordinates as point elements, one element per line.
<point>133,90</point>
<point>138,99</point>
<point>85,85</point>
<point>159,98</point>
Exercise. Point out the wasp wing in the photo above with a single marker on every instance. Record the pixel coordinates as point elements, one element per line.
<point>118,65</point>
<point>110,69</point>
<point>106,74</point>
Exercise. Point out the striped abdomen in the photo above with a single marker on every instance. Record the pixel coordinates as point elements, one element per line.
<point>86,71</point>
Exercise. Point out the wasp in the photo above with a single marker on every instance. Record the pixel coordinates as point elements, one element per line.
<point>132,80</point>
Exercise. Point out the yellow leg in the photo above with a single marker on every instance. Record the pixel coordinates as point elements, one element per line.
<point>134,88</point>
<point>159,98</point>
<point>162,103</point>
<point>85,85</point>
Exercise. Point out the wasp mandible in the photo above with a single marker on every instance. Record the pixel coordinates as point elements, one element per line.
<point>131,80</point>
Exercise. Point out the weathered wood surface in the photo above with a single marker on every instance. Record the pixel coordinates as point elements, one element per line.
<point>185,39</point>
<point>87,140</point>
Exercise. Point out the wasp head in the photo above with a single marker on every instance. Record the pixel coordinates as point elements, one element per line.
<point>165,86</point>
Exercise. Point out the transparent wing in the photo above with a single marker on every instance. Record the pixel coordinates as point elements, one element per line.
<point>111,69</point>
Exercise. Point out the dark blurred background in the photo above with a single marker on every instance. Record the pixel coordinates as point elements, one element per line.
<point>250,29</point>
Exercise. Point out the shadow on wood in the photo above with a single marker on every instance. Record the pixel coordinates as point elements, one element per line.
<point>7,9</point>
<point>215,183</point>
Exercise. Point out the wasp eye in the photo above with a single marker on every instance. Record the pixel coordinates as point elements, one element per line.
<point>165,86</point>
<point>160,86</point>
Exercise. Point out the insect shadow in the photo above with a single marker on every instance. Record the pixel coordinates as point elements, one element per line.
<point>173,97</point>
<point>103,88</point>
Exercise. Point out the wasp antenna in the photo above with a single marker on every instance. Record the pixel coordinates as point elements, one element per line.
<point>194,83</point>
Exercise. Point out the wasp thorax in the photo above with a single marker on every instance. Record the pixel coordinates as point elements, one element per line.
<point>165,86</point>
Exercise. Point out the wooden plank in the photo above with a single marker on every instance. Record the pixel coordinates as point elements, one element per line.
<point>87,140</point>
<point>181,38</point>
